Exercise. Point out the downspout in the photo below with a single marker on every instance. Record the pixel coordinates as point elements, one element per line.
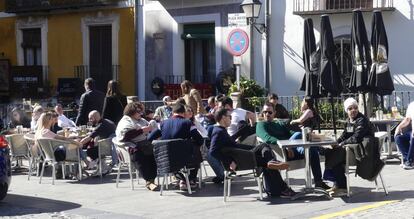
<point>140,49</point>
<point>267,35</point>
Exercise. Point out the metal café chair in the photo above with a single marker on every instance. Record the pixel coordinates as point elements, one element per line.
<point>350,163</point>
<point>48,146</point>
<point>124,161</point>
<point>35,155</point>
<point>18,147</point>
<point>104,151</point>
<point>281,155</point>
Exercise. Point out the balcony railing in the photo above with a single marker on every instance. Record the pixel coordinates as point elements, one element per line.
<point>315,7</point>
<point>24,6</point>
<point>86,71</point>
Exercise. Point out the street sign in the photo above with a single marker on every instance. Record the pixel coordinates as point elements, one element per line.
<point>237,20</point>
<point>237,42</point>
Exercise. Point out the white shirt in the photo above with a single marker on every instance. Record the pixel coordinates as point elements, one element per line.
<point>237,115</point>
<point>64,122</point>
<point>410,113</point>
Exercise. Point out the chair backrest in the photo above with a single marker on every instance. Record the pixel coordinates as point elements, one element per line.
<point>105,146</point>
<point>122,150</point>
<point>172,155</point>
<point>31,145</point>
<point>18,146</point>
<point>46,147</point>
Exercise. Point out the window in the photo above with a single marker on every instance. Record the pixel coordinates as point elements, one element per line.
<point>348,4</point>
<point>32,47</point>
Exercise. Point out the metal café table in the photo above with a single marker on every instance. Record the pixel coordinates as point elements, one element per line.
<point>309,189</point>
<point>390,124</point>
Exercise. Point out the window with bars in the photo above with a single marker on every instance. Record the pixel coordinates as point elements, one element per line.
<point>32,46</point>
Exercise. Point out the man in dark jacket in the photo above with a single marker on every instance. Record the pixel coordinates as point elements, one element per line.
<point>220,140</point>
<point>356,129</point>
<point>90,100</point>
<point>179,127</point>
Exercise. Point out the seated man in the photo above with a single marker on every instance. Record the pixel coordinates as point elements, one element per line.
<point>180,127</point>
<point>133,128</point>
<point>220,140</point>
<point>270,131</point>
<point>104,128</point>
<point>404,140</point>
<point>63,121</point>
<point>239,118</point>
<point>163,112</point>
<point>357,127</point>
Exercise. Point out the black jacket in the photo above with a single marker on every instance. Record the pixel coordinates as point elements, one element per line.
<point>355,131</point>
<point>113,108</point>
<point>90,100</point>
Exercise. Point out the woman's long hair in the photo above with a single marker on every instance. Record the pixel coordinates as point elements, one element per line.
<point>43,123</point>
<point>22,116</point>
<point>310,103</point>
<point>186,87</point>
<point>112,89</point>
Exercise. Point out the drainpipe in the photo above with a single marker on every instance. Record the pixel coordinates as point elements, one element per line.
<point>140,49</point>
<point>267,31</point>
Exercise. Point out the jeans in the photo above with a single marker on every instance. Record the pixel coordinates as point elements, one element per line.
<point>405,144</point>
<point>313,155</point>
<point>216,166</point>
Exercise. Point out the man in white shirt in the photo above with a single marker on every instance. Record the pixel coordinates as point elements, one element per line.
<point>63,121</point>
<point>239,119</point>
<point>404,140</point>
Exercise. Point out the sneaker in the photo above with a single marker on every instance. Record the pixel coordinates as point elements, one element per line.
<point>288,193</point>
<point>338,192</point>
<point>408,166</point>
<point>277,165</point>
<point>322,185</point>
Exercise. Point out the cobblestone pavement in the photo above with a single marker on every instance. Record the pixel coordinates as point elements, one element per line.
<point>93,198</point>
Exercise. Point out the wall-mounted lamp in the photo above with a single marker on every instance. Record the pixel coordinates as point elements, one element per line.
<point>252,10</point>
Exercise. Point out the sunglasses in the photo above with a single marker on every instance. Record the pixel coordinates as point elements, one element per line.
<point>268,112</point>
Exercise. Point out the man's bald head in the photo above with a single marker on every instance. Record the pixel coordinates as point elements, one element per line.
<point>94,117</point>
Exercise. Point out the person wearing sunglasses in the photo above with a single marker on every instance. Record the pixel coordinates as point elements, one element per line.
<point>270,131</point>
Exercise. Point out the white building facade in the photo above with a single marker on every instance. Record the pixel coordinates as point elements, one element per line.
<point>187,40</point>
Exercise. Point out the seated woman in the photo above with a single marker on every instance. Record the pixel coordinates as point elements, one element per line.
<point>309,117</point>
<point>357,127</point>
<point>18,118</point>
<point>220,140</point>
<point>44,125</point>
<point>133,128</point>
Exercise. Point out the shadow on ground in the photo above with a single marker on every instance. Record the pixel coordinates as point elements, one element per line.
<point>16,205</point>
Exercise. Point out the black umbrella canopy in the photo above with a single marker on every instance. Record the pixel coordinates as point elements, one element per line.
<point>361,57</point>
<point>380,77</point>
<point>310,79</point>
<point>329,77</point>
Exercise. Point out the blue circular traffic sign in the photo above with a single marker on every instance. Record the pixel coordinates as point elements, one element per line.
<point>237,42</point>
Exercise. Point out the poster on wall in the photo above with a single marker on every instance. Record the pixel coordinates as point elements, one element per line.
<point>27,81</point>
<point>4,76</point>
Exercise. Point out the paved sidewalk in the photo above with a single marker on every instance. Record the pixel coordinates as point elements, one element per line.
<point>92,199</point>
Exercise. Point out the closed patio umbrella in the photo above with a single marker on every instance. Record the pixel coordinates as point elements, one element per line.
<point>329,77</point>
<point>311,62</point>
<point>379,77</point>
<point>310,79</point>
<point>361,57</point>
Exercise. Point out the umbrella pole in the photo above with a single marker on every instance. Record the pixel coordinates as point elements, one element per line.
<point>317,111</point>
<point>333,115</point>
<point>365,104</point>
<point>382,103</point>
